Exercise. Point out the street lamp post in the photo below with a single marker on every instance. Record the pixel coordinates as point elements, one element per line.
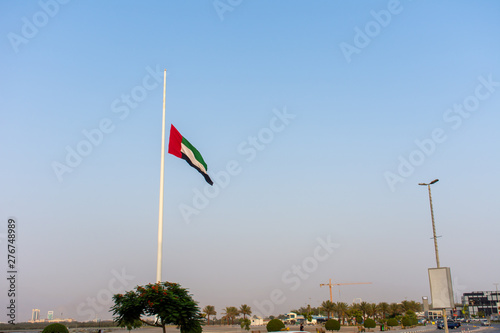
<point>445,319</point>
<point>432,217</point>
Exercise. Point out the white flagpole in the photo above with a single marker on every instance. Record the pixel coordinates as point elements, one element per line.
<point>162,172</point>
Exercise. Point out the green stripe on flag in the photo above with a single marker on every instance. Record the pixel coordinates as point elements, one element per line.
<point>195,151</point>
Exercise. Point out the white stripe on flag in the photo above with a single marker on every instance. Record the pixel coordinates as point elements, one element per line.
<point>191,157</point>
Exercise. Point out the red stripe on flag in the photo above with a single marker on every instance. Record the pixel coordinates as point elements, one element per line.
<point>174,144</point>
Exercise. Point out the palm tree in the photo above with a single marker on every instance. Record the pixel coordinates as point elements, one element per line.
<point>394,309</point>
<point>245,310</point>
<point>405,306</point>
<point>231,313</point>
<point>372,310</point>
<point>364,307</point>
<point>209,310</point>
<point>383,309</point>
<point>342,308</point>
<point>336,310</point>
<point>328,307</point>
<point>416,306</point>
<point>354,311</point>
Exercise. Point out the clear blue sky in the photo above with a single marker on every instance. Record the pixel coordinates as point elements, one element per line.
<point>327,113</point>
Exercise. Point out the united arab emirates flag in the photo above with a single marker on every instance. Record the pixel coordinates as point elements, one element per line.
<point>180,147</point>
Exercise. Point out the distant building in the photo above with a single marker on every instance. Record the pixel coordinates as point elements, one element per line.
<point>256,321</point>
<point>35,315</point>
<point>292,318</point>
<point>425,302</point>
<point>50,315</point>
<point>481,301</point>
<point>66,320</point>
<point>318,319</point>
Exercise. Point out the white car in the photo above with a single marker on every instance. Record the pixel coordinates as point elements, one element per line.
<point>485,322</point>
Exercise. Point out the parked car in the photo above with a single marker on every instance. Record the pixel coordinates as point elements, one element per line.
<point>451,324</point>
<point>485,322</point>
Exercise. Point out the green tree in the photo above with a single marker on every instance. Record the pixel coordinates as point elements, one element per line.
<point>465,311</point>
<point>168,302</point>
<point>332,325</point>
<point>275,325</point>
<point>369,323</point>
<point>209,310</point>
<point>411,306</point>
<point>328,307</point>
<point>392,322</point>
<point>55,328</point>
<point>417,306</point>
<point>394,309</point>
<point>406,322</point>
<point>372,310</point>
<point>336,310</point>
<point>356,313</point>
<point>245,324</point>
<point>245,310</point>
<point>342,309</point>
<point>231,313</point>
<point>383,309</point>
<point>134,324</point>
<point>365,308</point>
<point>411,318</point>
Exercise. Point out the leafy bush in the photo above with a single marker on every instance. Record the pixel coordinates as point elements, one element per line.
<point>55,328</point>
<point>392,322</point>
<point>411,319</point>
<point>245,324</point>
<point>369,323</point>
<point>275,325</point>
<point>332,325</point>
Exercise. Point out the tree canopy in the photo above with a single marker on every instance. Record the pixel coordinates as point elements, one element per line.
<point>332,325</point>
<point>168,302</point>
<point>55,328</point>
<point>275,325</point>
<point>209,310</point>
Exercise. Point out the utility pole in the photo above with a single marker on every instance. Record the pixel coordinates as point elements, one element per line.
<point>432,218</point>
<point>445,319</point>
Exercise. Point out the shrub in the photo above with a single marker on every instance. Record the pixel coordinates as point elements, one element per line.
<point>392,322</point>
<point>275,325</point>
<point>245,324</point>
<point>55,328</point>
<point>332,325</point>
<point>369,323</point>
<point>406,322</point>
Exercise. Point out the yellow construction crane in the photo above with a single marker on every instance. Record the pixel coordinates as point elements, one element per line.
<point>330,284</point>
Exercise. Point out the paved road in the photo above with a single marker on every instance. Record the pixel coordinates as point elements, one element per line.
<point>465,328</point>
